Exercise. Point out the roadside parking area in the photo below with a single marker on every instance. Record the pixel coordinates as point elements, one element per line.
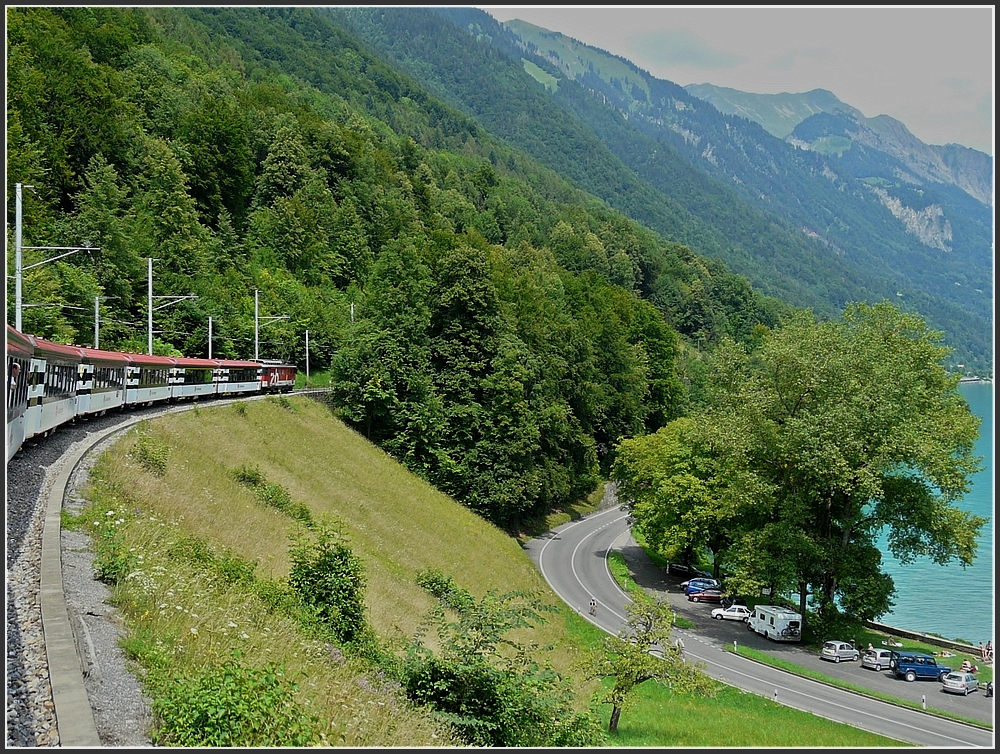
<point>655,581</point>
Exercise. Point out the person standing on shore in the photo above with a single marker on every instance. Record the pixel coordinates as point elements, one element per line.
<point>982,652</point>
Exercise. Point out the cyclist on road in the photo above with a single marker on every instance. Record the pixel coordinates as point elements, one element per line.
<point>593,606</point>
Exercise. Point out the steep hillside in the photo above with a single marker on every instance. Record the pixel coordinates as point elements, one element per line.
<point>494,327</point>
<point>779,215</point>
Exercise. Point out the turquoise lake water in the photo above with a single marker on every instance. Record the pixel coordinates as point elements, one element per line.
<point>954,602</point>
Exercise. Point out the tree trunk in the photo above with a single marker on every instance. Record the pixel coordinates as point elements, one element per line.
<point>616,712</point>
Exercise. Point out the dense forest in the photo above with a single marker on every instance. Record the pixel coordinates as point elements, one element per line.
<point>488,323</point>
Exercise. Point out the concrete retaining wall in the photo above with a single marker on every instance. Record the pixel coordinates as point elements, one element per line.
<point>927,639</point>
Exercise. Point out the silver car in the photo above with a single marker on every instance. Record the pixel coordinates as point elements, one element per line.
<point>876,659</point>
<point>835,651</point>
<point>960,683</point>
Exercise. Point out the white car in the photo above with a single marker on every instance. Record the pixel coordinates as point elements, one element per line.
<point>733,612</point>
<point>960,683</point>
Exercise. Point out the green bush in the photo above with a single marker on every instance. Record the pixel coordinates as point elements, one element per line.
<point>281,401</point>
<point>112,561</point>
<point>483,683</point>
<point>248,476</point>
<point>327,575</point>
<point>231,705</point>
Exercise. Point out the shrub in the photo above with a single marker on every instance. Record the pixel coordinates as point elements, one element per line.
<point>112,561</point>
<point>248,476</point>
<point>272,494</point>
<point>231,705</point>
<point>327,575</point>
<point>484,684</point>
<point>281,401</point>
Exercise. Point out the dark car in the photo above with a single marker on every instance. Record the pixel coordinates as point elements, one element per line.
<point>677,569</point>
<point>730,601</point>
<point>707,595</point>
<point>700,585</point>
<point>912,666</point>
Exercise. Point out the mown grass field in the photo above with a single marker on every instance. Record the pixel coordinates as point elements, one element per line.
<point>181,613</point>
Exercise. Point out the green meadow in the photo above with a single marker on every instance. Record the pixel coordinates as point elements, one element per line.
<point>196,560</point>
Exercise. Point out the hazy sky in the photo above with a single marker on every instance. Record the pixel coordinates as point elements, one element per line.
<point>929,67</point>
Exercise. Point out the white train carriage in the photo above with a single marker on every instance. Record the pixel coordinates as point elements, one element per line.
<point>100,384</point>
<point>19,351</point>
<point>192,378</point>
<point>147,379</point>
<point>238,377</point>
<point>52,388</point>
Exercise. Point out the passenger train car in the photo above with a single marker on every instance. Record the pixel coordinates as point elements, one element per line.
<point>49,384</point>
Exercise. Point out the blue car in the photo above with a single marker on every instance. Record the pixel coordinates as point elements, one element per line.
<point>699,585</point>
<point>913,665</point>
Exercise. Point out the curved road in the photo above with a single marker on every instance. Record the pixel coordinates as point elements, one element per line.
<point>573,560</point>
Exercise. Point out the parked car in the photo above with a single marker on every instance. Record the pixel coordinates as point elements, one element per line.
<point>730,601</point>
<point>677,569</point>
<point>694,584</point>
<point>960,683</point>
<point>733,612</point>
<point>835,651</point>
<point>912,666</point>
<point>706,595</point>
<point>876,659</point>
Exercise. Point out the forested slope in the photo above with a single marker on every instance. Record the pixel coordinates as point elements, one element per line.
<point>489,324</point>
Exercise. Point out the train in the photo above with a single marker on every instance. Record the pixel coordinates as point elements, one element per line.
<point>50,384</point>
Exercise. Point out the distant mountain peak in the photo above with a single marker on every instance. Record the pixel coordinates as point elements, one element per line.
<point>819,121</point>
<point>778,114</point>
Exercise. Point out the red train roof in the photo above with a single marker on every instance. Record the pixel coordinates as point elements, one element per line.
<point>49,348</point>
<point>232,364</point>
<point>142,359</point>
<point>195,363</point>
<point>18,344</point>
<point>95,355</point>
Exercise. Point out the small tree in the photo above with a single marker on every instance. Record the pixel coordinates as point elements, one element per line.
<point>484,684</point>
<point>642,651</point>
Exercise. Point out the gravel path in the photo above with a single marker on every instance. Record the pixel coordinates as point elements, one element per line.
<point>121,712</point>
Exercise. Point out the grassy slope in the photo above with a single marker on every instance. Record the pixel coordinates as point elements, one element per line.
<point>397,524</point>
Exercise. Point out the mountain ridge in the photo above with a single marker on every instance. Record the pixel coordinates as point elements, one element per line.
<point>781,114</point>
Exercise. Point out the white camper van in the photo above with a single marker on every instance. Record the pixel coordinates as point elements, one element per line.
<point>775,622</point>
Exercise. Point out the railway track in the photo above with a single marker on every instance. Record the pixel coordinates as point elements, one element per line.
<point>67,684</point>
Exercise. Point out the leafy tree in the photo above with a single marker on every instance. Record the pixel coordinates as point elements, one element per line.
<point>807,448</point>
<point>629,658</point>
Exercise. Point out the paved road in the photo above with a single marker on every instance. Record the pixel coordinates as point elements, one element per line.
<point>573,559</point>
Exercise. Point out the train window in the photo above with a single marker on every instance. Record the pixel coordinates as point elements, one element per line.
<point>153,377</point>
<point>59,380</point>
<point>17,385</point>
<point>197,376</point>
<point>243,375</point>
